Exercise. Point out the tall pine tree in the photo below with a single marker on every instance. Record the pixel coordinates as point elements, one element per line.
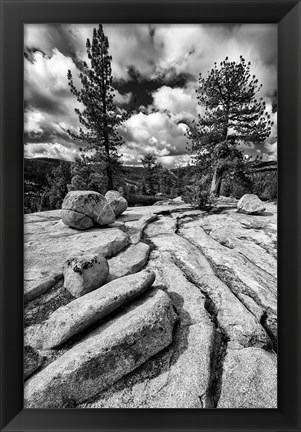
<point>100,117</point>
<point>150,164</point>
<point>232,116</point>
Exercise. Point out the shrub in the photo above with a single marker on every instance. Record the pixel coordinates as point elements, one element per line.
<point>198,194</point>
<point>145,200</point>
<point>265,185</point>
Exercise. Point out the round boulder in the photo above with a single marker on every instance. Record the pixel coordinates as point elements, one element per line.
<point>117,202</point>
<point>84,273</point>
<point>83,209</point>
<point>250,204</point>
<point>76,220</point>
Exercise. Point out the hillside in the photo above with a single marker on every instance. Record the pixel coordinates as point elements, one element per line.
<point>45,185</point>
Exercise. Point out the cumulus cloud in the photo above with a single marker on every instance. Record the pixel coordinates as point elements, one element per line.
<point>122,99</point>
<point>271,149</point>
<point>154,133</point>
<point>199,46</point>
<point>177,101</point>
<point>175,161</point>
<point>46,86</point>
<point>158,51</point>
<point>50,150</point>
<point>156,54</point>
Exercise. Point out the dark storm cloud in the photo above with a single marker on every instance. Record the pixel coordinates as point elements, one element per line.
<point>48,36</point>
<point>47,134</point>
<point>44,103</point>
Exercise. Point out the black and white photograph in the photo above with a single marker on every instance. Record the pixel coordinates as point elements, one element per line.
<point>150,216</point>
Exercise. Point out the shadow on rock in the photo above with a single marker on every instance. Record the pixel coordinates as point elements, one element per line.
<point>39,309</point>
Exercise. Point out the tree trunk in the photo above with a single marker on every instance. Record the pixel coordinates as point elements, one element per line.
<point>216,182</point>
<point>109,168</point>
<point>110,178</point>
<point>106,138</point>
<point>108,161</point>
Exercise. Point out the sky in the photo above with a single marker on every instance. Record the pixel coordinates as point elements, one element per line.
<point>158,66</point>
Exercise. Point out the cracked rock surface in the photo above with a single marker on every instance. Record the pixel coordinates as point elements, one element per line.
<point>204,335</point>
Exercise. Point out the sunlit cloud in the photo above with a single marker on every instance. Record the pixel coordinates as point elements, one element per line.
<point>142,54</point>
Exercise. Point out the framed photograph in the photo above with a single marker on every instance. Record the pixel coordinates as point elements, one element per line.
<point>150,217</point>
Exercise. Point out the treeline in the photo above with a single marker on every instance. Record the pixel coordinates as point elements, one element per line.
<point>47,181</point>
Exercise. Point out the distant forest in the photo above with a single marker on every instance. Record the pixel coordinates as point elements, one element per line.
<point>47,181</point>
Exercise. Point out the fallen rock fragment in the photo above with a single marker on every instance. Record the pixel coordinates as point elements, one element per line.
<point>250,204</point>
<point>179,376</point>
<point>32,361</point>
<point>90,204</point>
<point>249,379</point>
<point>79,314</point>
<point>35,287</point>
<point>179,200</point>
<point>118,203</point>
<point>84,273</point>
<point>130,261</point>
<point>106,355</point>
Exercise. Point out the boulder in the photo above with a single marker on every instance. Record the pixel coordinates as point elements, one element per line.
<point>179,376</point>
<point>106,355</point>
<point>77,220</point>
<point>178,200</point>
<point>84,273</point>
<point>116,201</point>
<point>250,204</point>
<point>249,379</point>
<point>32,361</point>
<point>130,261</point>
<point>81,313</point>
<point>90,204</point>
<point>48,246</point>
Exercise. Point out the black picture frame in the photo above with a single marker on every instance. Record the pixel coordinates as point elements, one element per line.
<point>287,13</point>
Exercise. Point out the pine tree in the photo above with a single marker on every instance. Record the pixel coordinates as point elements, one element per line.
<point>57,186</point>
<point>232,116</point>
<point>149,163</point>
<point>87,174</point>
<point>167,180</point>
<point>100,117</point>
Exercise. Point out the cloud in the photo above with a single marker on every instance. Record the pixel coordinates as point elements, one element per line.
<point>122,99</point>
<point>199,46</point>
<point>33,122</point>
<point>175,161</point>
<point>154,133</point>
<point>130,45</point>
<point>50,150</point>
<point>46,85</point>
<point>166,50</point>
<point>156,54</point>
<point>178,101</point>
<point>271,149</point>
